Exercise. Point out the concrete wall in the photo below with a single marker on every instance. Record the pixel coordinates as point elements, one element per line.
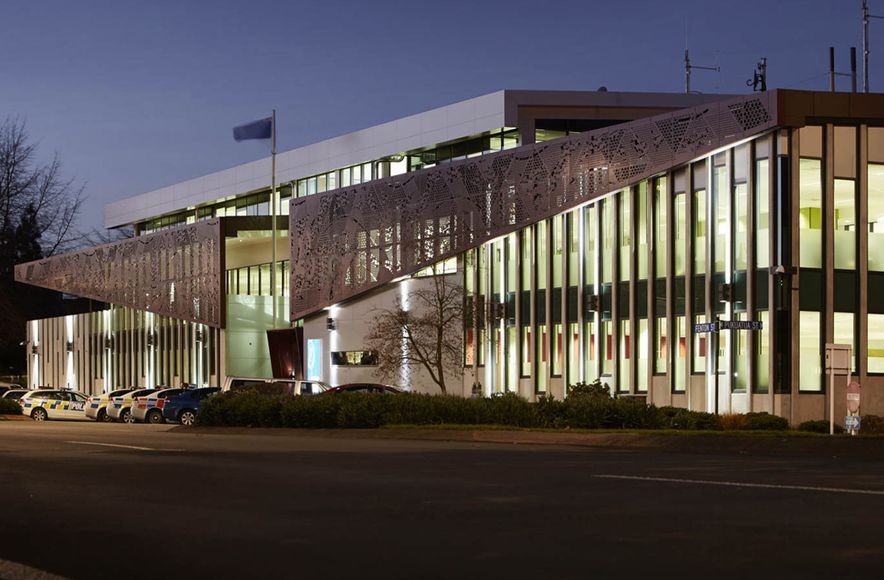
<point>352,324</point>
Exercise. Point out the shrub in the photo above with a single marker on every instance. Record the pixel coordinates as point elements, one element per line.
<point>9,407</point>
<point>595,389</point>
<point>872,424</point>
<point>591,407</point>
<point>818,426</point>
<point>678,418</point>
<point>243,409</point>
<point>510,409</point>
<point>550,412</point>
<point>765,422</point>
<point>733,421</point>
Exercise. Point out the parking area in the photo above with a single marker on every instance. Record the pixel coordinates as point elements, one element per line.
<point>280,503</point>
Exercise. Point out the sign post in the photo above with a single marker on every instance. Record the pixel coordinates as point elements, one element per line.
<point>717,326</point>
<point>852,421</point>
<point>837,360</point>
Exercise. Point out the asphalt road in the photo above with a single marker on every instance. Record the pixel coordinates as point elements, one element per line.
<point>145,501</point>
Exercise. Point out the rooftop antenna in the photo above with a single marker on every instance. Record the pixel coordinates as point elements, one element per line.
<point>687,71</point>
<point>866,18</point>
<point>758,82</point>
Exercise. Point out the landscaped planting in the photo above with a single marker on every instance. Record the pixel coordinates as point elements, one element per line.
<point>9,407</point>
<point>586,407</point>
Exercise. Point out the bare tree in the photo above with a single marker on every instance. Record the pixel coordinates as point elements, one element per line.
<point>426,332</point>
<point>40,190</point>
<point>38,213</point>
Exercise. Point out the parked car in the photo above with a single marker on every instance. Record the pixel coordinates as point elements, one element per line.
<point>294,387</point>
<point>365,388</point>
<point>184,407</point>
<point>43,404</point>
<point>4,387</point>
<point>14,394</point>
<point>149,409</point>
<point>120,407</point>
<point>96,405</point>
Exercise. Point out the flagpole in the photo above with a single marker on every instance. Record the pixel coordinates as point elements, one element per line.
<point>273,214</point>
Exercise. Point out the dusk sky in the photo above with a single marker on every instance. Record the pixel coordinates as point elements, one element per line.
<point>138,95</point>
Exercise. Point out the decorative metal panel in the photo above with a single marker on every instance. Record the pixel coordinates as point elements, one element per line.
<point>175,272</point>
<point>348,241</point>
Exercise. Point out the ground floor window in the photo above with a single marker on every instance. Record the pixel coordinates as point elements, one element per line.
<point>876,343</point>
<point>681,350</point>
<point>809,352</point>
<point>844,333</point>
<point>762,354</point>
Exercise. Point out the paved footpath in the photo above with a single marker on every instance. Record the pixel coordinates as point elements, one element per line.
<point>147,501</point>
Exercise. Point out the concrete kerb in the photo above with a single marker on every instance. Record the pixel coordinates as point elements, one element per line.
<point>768,443</point>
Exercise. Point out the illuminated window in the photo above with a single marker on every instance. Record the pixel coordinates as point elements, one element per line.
<point>355,358</point>
<point>809,351</point>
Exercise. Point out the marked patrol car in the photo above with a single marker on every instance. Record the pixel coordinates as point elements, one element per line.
<point>149,409</point>
<point>120,407</point>
<point>43,404</point>
<point>96,405</point>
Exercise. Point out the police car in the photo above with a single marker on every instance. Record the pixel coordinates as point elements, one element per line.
<point>149,409</point>
<point>96,405</point>
<point>119,408</point>
<point>43,404</point>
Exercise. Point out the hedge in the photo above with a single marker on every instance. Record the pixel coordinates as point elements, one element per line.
<point>9,407</point>
<point>356,410</point>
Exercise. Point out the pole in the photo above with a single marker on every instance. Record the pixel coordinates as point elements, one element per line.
<point>715,361</point>
<point>831,398</point>
<point>865,46</point>
<point>832,69</point>
<point>852,69</point>
<point>687,73</point>
<point>273,216</point>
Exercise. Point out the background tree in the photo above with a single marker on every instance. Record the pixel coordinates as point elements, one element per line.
<point>426,333</point>
<point>38,213</point>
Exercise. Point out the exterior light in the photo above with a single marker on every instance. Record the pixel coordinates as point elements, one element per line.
<point>330,324</point>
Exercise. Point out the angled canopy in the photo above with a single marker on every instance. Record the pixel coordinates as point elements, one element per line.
<point>350,240</point>
<point>175,272</point>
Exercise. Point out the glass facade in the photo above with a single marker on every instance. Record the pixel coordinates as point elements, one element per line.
<point>258,204</point>
<point>613,289</point>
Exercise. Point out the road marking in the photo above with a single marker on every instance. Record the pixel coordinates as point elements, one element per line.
<point>740,484</point>
<point>15,571</point>
<point>136,447</point>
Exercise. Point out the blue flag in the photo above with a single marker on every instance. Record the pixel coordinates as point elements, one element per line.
<point>260,129</point>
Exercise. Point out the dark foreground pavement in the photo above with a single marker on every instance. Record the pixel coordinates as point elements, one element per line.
<point>144,501</point>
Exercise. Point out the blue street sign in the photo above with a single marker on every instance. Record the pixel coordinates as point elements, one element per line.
<point>852,422</point>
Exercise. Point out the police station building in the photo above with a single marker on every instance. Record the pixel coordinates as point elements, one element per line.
<point>595,234</point>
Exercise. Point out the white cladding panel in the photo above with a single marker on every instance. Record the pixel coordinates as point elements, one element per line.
<point>461,119</point>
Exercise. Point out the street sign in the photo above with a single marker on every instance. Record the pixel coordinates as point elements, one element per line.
<point>705,327</point>
<point>741,325</point>
<point>851,422</point>
<point>729,325</point>
<point>853,397</point>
